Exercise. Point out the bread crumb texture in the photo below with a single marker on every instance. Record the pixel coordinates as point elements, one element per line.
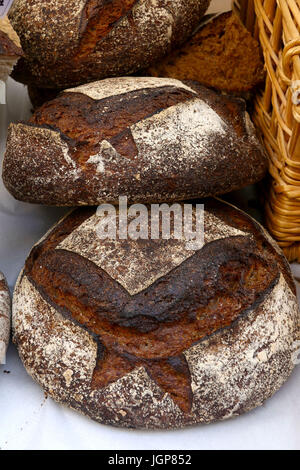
<point>223,55</point>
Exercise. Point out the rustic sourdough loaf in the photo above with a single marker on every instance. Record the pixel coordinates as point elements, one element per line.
<point>150,139</point>
<point>10,48</point>
<point>149,334</point>
<point>74,42</point>
<point>4,317</point>
<point>222,54</point>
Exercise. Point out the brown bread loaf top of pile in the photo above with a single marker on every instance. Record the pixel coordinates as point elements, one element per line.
<point>223,55</point>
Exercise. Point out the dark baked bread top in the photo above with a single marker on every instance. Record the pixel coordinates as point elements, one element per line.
<point>80,41</point>
<point>90,282</point>
<point>148,138</point>
<point>85,122</point>
<point>222,54</point>
<point>9,41</point>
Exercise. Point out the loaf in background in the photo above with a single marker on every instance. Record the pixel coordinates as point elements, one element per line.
<point>10,48</point>
<point>150,139</point>
<point>5,310</point>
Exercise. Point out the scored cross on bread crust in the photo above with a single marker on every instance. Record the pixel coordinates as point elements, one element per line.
<point>210,295</point>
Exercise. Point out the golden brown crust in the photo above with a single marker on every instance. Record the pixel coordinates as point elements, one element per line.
<point>5,311</point>
<point>82,41</point>
<point>223,55</point>
<point>39,96</point>
<point>120,137</point>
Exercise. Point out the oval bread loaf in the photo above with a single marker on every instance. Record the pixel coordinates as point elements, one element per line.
<point>151,139</point>
<point>150,334</point>
<point>78,41</point>
<point>5,308</point>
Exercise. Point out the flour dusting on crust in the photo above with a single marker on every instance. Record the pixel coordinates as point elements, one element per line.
<point>187,128</point>
<point>48,18</point>
<point>233,371</point>
<point>122,259</point>
<point>121,85</point>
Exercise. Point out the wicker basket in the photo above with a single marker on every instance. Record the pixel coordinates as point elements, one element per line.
<point>276,24</point>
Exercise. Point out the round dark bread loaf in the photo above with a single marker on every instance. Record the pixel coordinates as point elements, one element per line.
<point>151,139</point>
<point>75,42</point>
<point>148,334</point>
<point>4,317</point>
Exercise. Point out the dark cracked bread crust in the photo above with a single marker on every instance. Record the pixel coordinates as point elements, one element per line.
<point>147,138</point>
<point>9,41</point>
<point>7,47</point>
<point>75,42</point>
<point>10,49</point>
<point>210,337</point>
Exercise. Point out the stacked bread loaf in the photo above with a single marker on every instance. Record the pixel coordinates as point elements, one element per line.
<point>142,332</point>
